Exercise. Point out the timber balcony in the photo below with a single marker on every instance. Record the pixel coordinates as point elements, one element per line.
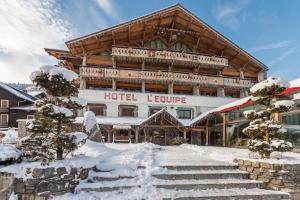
<point>165,77</point>
<point>163,56</point>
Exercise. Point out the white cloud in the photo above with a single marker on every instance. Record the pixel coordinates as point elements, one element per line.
<point>284,55</point>
<point>231,14</point>
<point>27,27</point>
<point>110,8</point>
<point>271,46</point>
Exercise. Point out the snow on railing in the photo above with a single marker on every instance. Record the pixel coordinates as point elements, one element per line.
<point>89,72</point>
<point>168,55</point>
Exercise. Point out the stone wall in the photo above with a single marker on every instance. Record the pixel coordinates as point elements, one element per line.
<point>6,185</point>
<point>47,182</point>
<point>281,177</point>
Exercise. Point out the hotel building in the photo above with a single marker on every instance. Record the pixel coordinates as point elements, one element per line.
<point>147,79</point>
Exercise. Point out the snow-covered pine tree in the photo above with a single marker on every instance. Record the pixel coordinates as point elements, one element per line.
<point>91,127</point>
<point>265,131</point>
<point>51,137</point>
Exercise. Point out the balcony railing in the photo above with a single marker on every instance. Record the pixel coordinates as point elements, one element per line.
<point>158,76</point>
<point>169,56</point>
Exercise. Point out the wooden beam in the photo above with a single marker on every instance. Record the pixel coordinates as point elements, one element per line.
<point>224,130</point>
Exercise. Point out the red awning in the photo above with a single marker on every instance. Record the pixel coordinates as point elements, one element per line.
<point>249,102</point>
<point>290,90</point>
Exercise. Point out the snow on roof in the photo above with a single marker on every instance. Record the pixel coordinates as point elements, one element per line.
<point>25,108</point>
<point>121,127</point>
<point>35,93</point>
<point>181,122</point>
<point>295,83</point>
<point>114,120</point>
<point>226,107</point>
<point>54,70</point>
<point>268,83</point>
<point>17,92</point>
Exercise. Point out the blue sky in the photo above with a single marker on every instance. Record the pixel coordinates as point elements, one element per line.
<point>268,29</point>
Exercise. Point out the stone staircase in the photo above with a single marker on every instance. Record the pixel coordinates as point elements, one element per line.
<point>183,182</point>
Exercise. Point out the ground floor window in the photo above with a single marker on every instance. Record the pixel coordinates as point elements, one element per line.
<point>98,109</point>
<point>184,113</point>
<point>153,110</point>
<point>128,111</point>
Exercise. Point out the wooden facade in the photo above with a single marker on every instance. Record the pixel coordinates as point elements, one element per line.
<point>15,107</point>
<point>170,49</point>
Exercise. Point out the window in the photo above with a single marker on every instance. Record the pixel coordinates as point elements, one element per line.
<point>4,120</point>
<point>153,110</point>
<point>184,113</point>
<point>4,105</point>
<point>30,117</point>
<point>128,111</point>
<point>98,109</point>
<point>178,46</point>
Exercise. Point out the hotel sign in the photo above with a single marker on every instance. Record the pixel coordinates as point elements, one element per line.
<point>135,98</point>
<point>149,98</point>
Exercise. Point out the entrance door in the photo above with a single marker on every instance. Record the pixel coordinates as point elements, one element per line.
<point>158,137</point>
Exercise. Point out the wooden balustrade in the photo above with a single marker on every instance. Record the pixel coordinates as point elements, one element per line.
<point>159,76</point>
<point>172,56</point>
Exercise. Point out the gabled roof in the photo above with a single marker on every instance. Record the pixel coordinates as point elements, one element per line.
<point>163,111</point>
<point>77,45</point>
<point>17,92</point>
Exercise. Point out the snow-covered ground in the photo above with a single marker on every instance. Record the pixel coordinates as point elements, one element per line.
<point>229,154</point>
<point>8,152</point>
<point>126,160</point>
<point>10,136</point>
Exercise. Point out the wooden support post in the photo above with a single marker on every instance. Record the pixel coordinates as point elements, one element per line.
<point>136,135</point>
<point>113,136</point>
<point>276,117</point>
<point>224,131</point>
<point>143,87</point>
<point>114,84</point>
<point>109,137</point>
<point>170,88</point>
<point>184,135</point>
<point>206,136</point>
<point>114,62</point>
<point>145,135</point>
<point>220,92</point>
<point>129,135</point>
<point>196,91</point>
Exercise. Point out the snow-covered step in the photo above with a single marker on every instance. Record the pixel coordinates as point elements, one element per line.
<point>201,174</point>
<point>224,194</point>
<point>200,167</point>
<point>108,176</point>
<point>107,186</point>
<point>207,184</point>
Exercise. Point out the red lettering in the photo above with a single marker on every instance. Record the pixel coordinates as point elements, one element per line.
<point>149,99</point>
<point>133,98</point>
<point>114,96</point>
<point>128,97</point>
<point>163,99</point>
<point>183,100</point>
<point>177,99</point>
<point>107,96</point>
<point>156,99</point>
<point>122,96</point>
<point>169,99</point>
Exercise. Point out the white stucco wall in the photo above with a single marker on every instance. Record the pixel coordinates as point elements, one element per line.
<point>145,100</point>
